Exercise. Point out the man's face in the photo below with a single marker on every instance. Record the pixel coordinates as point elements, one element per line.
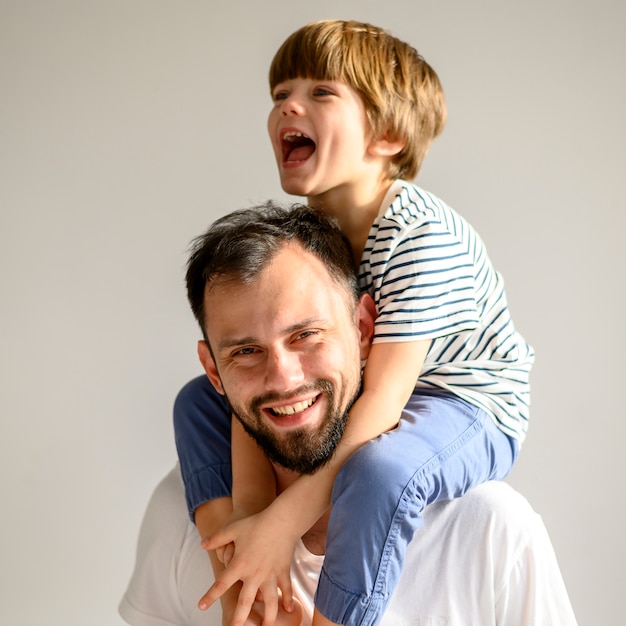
<point>287,352</point>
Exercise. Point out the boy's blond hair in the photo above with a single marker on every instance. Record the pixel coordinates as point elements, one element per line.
<point>402,94</point>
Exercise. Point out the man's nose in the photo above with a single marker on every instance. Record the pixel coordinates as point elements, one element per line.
<point>284,371</point>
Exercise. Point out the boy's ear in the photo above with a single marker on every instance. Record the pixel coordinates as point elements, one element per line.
<point>204,354</point>
<point>385,146</point>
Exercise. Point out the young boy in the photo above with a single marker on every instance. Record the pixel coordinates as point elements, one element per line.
<point>445,389</point>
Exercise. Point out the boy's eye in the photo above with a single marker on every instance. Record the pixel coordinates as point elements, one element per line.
<point>322,91</point>
<point>279,95</point>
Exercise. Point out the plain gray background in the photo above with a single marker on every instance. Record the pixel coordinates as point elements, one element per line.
<point>127,126</point>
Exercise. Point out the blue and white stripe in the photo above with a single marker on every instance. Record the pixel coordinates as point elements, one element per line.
<point>431,278</point>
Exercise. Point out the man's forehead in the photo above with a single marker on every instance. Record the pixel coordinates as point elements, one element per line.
<point>292,263</point>
<point>295,286</point>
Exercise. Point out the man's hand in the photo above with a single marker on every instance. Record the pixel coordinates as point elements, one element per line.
<point>261,560</point>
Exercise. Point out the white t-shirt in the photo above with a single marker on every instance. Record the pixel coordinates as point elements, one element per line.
<point>482,560</point>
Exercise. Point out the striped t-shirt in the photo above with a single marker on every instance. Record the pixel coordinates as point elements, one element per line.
<point>431,278</point>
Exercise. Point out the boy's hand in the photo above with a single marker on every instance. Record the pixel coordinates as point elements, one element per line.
<point>261,560</point>
<point>226,552</point>
<point>282,619</point>
<point>255,618</point>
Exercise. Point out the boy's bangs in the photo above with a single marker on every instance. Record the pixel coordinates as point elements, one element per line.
<point>308,54</point>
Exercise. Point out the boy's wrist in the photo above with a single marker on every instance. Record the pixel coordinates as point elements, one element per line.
<point>286,523</point>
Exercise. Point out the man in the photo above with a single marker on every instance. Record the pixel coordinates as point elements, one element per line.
<point>275,294</point>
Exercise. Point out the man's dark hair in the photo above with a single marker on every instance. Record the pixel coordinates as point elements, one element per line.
<point>238,246</point>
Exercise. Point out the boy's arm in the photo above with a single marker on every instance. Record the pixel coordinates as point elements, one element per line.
<point>210,517</point>
<point>389,379</point>
<point>254,487</point>
<point>254,482</point>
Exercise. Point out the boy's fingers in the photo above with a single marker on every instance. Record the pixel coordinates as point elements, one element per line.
<point>246,599</point>
<point>286,590</point>
<point>223,583</point>
<point>228,552</point>
<point>270,604</point>
<point>219,538</point>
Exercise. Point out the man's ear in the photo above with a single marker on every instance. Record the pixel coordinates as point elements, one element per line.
<point>366,311</point>
<point>204,354</point>
<point>385,146</point>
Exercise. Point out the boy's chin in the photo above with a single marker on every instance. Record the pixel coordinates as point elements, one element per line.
<point>294,187</point>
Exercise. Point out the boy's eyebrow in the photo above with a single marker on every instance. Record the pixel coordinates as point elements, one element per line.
<point>249,339</point>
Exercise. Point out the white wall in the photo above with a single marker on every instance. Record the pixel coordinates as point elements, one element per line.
<point>126,126</point>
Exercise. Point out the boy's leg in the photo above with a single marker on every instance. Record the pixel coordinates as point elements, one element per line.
<point>442,447</point>
<point>202,428</point>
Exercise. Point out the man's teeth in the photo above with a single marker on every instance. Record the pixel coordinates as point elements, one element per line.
<point>292,409</point>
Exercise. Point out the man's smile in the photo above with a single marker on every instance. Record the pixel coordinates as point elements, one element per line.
<point>294,413</point>
<point>301,408</point>
<point>292,409</point>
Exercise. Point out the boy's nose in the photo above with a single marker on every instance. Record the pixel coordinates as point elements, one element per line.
<point>292,106</point>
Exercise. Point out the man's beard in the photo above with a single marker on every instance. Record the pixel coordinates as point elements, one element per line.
<point>300,450</point>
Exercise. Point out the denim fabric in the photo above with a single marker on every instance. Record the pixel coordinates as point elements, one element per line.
<point>202,432</point>
<point>442,447</point>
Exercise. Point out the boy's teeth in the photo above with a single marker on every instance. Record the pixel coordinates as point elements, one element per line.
<point>292,135</point>
<point>292,409</point>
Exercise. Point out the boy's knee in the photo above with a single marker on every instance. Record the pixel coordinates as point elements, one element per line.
<point>191,395</point>
<point>197,402</point>
<point>373,471</point>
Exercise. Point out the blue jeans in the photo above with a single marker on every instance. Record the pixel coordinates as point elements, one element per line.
<point>442,447</point>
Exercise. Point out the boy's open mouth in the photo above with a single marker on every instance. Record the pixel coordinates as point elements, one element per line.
<point>297,147</point>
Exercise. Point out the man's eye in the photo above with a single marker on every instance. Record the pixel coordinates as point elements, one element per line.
<point>244,352</point>
<point>307,333</point>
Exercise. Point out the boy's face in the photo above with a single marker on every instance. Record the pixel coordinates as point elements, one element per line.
<point>321,138</point>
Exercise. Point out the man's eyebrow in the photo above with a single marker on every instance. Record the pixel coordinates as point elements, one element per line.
<point>234,342</point>
<point>308,323</point>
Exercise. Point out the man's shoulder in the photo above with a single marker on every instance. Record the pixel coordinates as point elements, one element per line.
<point>499,498</point>
<point>493,509</point>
